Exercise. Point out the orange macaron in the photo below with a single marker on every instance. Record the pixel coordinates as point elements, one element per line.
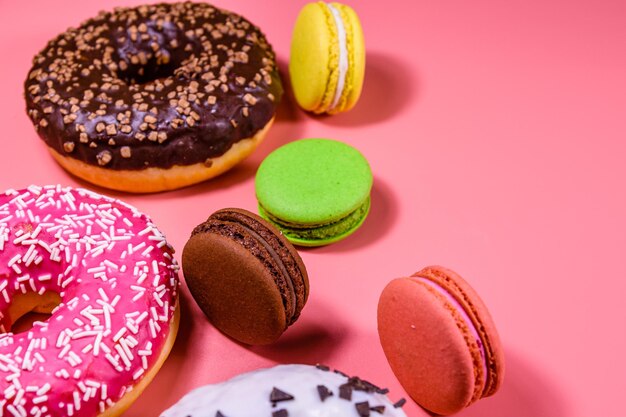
<point>440,340</point>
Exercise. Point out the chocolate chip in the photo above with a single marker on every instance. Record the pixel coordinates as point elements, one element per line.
<point>277,396</point>
<point>363,409</point>
<point>380,409</point>
<point>323,392</point>
<point>280,413</point>
<point>345,392</point>
<point>218,414</point>
<point>399,403</point>
<point>322,367</point>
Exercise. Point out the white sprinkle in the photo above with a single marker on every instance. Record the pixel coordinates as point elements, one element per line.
<point>123,356</point>
<point>104,296</point>
<point>19,396</point>
<point>40,399</point>
<point>119,334</point>
<point>153,332</point>
<point>137,247</point>
<point>142,278</point>
<point>144,231</point>
<point>64,351</point>
<point>6,219</point>
<point>45,277</point>
<point>23,278</point>
<point>97,344</point>
<point>134,329</point>
<point>14,411</point>
<point>107,319</point>
<point>116,300</point>
<point>66,282</point>
<point>141,317</point>
<point>156,297</point>
<point>155,315</point>
<point>138,374</point>
<point>76,400</point>
<point>14,260</point>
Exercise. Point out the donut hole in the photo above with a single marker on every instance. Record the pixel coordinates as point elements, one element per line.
<point>150,71</point>
<point>26,309</point>
<point>141,64</point>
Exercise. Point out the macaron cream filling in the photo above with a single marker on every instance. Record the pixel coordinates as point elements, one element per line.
<point>466,319</point>
<point>343,54</point>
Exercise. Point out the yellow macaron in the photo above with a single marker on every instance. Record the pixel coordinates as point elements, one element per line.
<point>327,63</point>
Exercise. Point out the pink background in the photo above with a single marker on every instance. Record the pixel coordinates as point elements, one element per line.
<point>496,133</point>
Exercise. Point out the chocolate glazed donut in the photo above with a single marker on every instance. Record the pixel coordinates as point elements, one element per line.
<point>154,97</point>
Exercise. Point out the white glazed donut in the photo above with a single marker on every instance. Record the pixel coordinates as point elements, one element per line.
<point>108,278</point>
<point>288,391</point>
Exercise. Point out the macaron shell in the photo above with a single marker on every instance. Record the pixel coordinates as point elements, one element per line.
<point>314,58</point>
<point>312,182</point>
<point>356,51</point>
<point>425,347</point>
<point>225,274</point>
<point>280,245</point>
<point>480,316</point>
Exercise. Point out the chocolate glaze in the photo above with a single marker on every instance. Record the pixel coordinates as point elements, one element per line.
<point>153,86</point>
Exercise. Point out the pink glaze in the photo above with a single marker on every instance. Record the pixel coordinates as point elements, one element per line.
<point>118,284</point>
<point>468,321</point>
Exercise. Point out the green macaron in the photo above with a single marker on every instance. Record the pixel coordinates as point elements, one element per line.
<point>315,191</point>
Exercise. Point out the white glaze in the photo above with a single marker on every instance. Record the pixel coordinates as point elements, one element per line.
<point>247,395</point>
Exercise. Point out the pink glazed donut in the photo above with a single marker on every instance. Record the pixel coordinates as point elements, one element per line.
<point>107,276</point>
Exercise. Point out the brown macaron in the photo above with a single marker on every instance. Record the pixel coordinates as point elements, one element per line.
<point>245,276</point>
